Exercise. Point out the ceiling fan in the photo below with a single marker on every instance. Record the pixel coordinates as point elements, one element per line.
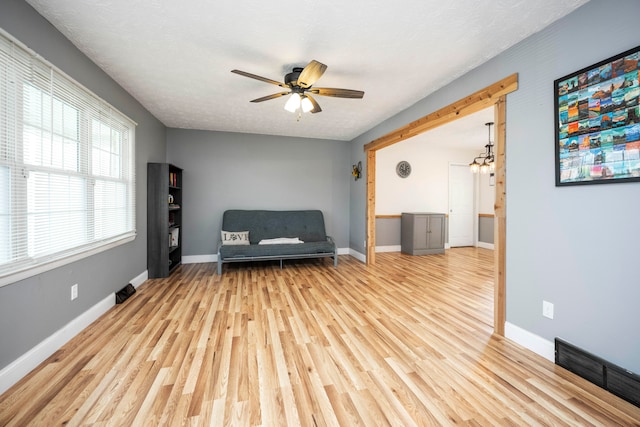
<point>299,83</point>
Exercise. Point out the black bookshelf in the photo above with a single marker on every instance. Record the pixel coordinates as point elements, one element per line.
<point>164,219</point>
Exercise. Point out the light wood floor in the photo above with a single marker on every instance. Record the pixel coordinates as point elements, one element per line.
<point>407,342</point>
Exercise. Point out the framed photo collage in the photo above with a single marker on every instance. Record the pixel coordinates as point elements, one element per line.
<point>598,122</point>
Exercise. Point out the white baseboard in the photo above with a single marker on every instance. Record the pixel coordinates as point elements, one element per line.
<point>140,279</point>
<point>485,245</point>
<point>530,341</point>
<point>391,248</point>
<point>199,259</point>
<point>24,364</point>
<point>357,255</point>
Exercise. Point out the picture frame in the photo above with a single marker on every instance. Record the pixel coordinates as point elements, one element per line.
<point>597,119</point>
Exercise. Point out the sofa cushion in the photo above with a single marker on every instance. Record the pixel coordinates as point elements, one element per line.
<point>307,225</point>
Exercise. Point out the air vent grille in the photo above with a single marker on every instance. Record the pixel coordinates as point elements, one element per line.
<point>619,381</point>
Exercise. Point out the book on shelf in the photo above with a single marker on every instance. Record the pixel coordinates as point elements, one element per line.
<point>173,179</point>
<point>174,235</point>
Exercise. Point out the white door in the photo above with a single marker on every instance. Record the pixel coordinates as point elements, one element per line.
<point>461,203</point>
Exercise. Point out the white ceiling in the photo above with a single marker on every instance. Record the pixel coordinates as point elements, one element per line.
<point>466,133</point>
<point>175,57</point>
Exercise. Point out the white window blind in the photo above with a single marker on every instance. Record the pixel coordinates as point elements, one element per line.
<point>67,167</point>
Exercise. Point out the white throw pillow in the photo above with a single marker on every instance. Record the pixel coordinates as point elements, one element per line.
<point>235,237</point>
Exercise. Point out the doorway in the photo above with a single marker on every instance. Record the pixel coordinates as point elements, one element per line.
<point>496,95</point>
<point>461,206</point>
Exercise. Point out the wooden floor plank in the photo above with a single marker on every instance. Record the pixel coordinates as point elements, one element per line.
<point>405,342</point>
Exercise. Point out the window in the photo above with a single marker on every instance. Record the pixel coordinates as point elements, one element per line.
<point>67,171</point>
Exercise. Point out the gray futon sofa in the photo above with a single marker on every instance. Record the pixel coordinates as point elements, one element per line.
<point>270,236</point>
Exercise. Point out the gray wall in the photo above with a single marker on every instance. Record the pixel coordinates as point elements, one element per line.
<point>485,229</point>
<point>576,247</point>
<point>246,171</point>
<point>33,309</point>
<point>388,231</point>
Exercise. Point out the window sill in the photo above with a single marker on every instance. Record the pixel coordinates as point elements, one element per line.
<point>42,268</point>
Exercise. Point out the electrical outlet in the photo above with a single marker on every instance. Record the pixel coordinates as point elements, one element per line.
<point>547,309</point>
<point>74,292</point>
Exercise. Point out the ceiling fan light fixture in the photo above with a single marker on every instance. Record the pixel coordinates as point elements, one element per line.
<point>293,103</point>
<point>306,104</point>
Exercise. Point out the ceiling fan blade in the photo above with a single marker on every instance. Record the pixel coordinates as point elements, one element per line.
<point>262,79</point>
<point>268,97</point>
<point>316,106</point>
<point>337,93</point>
<point>311,73</point>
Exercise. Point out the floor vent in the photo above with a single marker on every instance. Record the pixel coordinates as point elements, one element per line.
<point>619,381</point>
<point>124,293</point>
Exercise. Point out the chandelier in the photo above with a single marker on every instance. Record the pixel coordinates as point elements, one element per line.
<point>485,162</point>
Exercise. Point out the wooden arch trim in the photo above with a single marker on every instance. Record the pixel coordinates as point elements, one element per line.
<point>493,95</point>
<point>473,103</point>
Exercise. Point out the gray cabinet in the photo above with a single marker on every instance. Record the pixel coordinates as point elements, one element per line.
<point>422,233</point>
<point>164,219</point>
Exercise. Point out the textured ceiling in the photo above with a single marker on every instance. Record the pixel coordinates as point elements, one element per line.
<point>175,57</point>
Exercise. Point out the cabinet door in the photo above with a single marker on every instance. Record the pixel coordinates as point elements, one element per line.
<point>420,232</point>
<point>436,231</point>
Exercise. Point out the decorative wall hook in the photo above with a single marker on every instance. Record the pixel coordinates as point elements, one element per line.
<point>357,170</point>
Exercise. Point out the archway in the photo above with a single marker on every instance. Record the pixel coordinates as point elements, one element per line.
<point>491,95</point>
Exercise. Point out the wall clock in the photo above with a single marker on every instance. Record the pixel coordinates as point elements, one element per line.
<point>403,169</point>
